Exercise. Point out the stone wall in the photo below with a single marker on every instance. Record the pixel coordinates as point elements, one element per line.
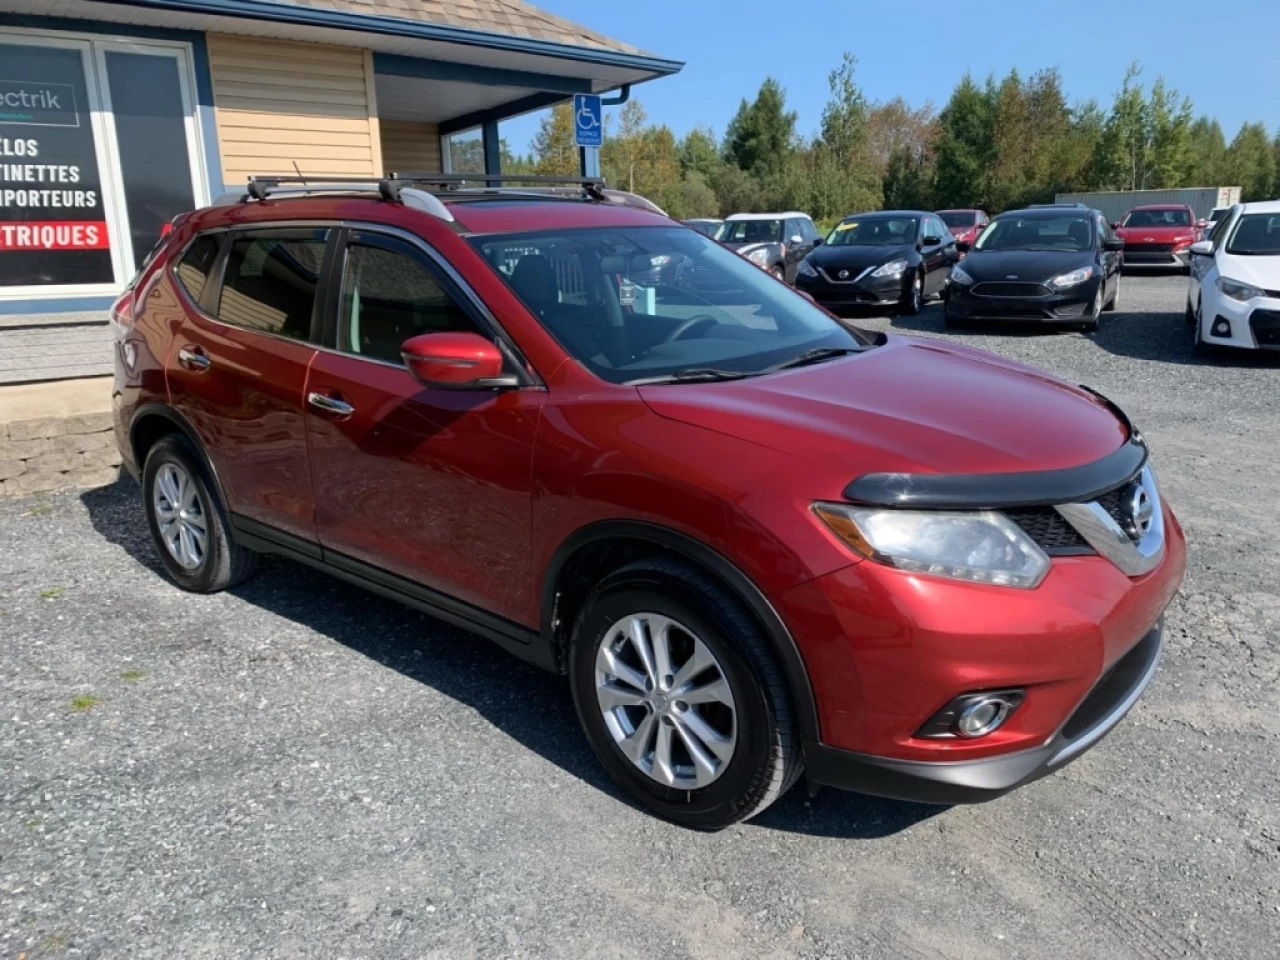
<point>54,453</point>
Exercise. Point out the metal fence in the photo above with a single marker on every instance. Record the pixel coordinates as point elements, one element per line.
<point>1115,205</point>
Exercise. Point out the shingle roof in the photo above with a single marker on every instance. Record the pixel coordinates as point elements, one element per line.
<point>512,17</point>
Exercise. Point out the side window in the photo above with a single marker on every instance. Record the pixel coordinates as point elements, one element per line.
<point>809,231</point>
<point>792,230</point>
<point>388,296</point>
<point>193,269</point>
<point>270,281</point>
<point>1220,229</point>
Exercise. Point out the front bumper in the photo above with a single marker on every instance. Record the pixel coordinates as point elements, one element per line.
<point>859,290</point>
<point>1071,304</point>
<point>975,781</point>
<point>1255,324</point>
<point>1135,260</point>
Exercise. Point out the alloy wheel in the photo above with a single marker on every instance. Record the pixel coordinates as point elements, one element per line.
<point>180,516</point>
<point>666,701</point>
<point>917,293</point>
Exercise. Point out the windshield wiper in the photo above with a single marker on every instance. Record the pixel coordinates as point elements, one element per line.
<point>816,355</point>
<point>693,375</point>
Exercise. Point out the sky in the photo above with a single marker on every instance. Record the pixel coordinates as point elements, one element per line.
<point>730,46</point>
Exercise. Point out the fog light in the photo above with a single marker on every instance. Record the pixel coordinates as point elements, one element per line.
<point>982,716</point>
<point>973,715</point>
<point>1221,327</point>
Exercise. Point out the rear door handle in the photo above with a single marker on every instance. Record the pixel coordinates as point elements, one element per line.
<point>194,359</point>
<point>330,405</point>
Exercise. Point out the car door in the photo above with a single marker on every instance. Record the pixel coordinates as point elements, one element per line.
<point>793,243</point>
<point>432,485</point>
<point>1201,265</point>
<point>239,363</point>
<point>937,262</point>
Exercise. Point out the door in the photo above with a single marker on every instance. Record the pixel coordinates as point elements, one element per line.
<point>798,246</point>
<point>239,363</point>
<point>937,257</point>
<point>1111,260</point>
<point>433,485</point>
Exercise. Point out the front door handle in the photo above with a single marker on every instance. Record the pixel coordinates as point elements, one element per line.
<point>332,406</point>
<point>194,359</point>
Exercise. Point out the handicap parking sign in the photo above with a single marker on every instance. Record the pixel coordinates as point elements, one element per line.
<point>588,128</point>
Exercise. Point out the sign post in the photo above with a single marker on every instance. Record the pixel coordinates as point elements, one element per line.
<point>588,132</point>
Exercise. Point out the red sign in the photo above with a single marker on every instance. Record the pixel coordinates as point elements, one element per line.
<point>54,235</point>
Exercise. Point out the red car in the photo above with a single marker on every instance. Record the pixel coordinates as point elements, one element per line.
<point>758,541</point>
<point>1157,236</point>
<point>965,225</point>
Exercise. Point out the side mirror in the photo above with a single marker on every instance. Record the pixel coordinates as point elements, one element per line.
<point>1203,248</point>
<point>455,361</point>
<point>796,238</point>
<point>931,241</point>
<point>818,242</point>
<point>1202,224</point>
<point>1114,243</point>
<point>1115,225</point>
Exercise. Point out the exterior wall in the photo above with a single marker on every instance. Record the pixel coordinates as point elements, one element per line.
<point>280,103</point>
<point>1114,205</point>
<point>410,146</point>
<point>53,453</point>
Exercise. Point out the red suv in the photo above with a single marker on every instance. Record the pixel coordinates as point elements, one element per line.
<point>757,541</point>
<point>1158,236</point>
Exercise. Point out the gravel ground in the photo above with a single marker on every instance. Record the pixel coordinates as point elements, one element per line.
<point>297,768</point>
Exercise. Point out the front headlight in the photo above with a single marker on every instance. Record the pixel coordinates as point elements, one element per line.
<point>893,268</point>
<point>960,275</point>
<point>1075,277</point>
<point>759,256</point>
<point>1239,291</point>
<point>979,546</point>
<point>806,269</point>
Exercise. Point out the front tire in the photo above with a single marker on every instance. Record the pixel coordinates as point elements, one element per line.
<point>778,273</point>
<point>681,697</point>
<point>188,525</point>
<point>1114,302</point>
<point>913,295</point>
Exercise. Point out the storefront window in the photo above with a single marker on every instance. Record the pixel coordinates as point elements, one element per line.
<point>466,152</point>
<point>53,226</point>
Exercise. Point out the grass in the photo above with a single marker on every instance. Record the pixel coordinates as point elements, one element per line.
<point>83,702</point>
<point>55,941</point>
<point>132,675</point>
<point>39,510</point>
<point>51,593</point>
<point>31,824</point>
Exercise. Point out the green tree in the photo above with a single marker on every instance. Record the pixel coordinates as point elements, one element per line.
<point>1207,155</point>
<point>1170,118</point>
<point>554,152</point>
<point>1123,160</point>
<point>1251,163</point>
<point>698,153</point>
<point>693,198</point>
<point>907,182</point>
<point>760,137</point>
<point>736,190</point>
<point>965,146</point>
<point>624,153</point>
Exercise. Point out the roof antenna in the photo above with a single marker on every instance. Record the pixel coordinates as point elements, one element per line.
<point>298,171</point>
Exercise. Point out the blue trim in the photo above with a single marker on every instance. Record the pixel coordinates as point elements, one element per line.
<point>275,12</point>
<point>492,147</point>
<point>200,64</point>
<point>469,121</point>
<point>56,305</point>
<point>393,64</point>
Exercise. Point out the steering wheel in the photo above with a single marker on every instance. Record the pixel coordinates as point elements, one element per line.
<point>683,328</point>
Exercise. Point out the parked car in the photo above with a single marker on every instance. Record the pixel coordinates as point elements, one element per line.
<point>1157,236</point>
<point>1205,227</point>
<point>757,540</point>
<point>894,258</point>
<point>1055,263</point>
<point>965,225</point>
<point>775,242</point>
<point>1233,294</point>
<point>704,225</point>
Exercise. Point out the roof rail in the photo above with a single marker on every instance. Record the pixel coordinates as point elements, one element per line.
<point>592,187</point>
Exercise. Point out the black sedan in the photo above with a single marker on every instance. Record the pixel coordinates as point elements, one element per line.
<point>894,259</point>
<point>1052,264</point>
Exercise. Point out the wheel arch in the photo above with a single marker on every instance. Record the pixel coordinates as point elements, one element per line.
<point>606,545</point>
<point>152,422</point>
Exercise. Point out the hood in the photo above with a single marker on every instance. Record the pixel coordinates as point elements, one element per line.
<point>856,258</point>
<point>1030,266</point>
<point>908,406</point>
<point>1155,234</point>
<point>1262,272</point>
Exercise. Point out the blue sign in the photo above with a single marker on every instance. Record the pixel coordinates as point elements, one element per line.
<point>588,120</point>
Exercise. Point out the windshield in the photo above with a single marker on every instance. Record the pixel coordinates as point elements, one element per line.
<point>1068,232</point>
<point>873,232</point>
<point>1157,218</point>
<point>633,303</point>
<point>1256,235</point>
<point>959,218</point>
<point>750,231</point>
<point>705,227</point>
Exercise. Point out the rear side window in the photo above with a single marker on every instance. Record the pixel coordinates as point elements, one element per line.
<point>193,269</point>
<point>388,296</point>
<point>270,282</point>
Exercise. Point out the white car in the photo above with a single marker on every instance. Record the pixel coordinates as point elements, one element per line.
<point>1233,298</point>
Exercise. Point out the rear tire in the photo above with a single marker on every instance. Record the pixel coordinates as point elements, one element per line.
<point>616,695</point>
<point>187,521</point>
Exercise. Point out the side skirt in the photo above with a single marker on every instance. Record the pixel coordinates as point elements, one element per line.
<point>525,643</point>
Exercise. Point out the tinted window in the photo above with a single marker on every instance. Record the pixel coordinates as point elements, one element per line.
<point>1158,218</point>
<point>193,269</point>
<point>270,282</point>
<point>809,230</point>
<point>1067,232</point>
<point>632,303</point>
<point>1220,229</point>
<point>958,218</point>
<point>389,296</point>
<point>873,231</point>
<point>750,231</point>
<point>1257,235</point>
